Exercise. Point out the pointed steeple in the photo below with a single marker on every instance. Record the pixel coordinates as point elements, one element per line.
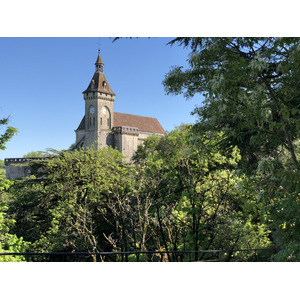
<point>99,63</point>
<point>99,82</point>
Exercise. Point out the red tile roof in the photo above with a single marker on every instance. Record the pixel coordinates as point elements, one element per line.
<point>145,124</point>
<point>99,84</point>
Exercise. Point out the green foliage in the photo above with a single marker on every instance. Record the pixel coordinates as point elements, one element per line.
<point>280,194</point>
<point>251,91</point>
<point>134,258</point>
<point>8,133</point>
<point>8,242</point>
<point>63,210</point>
<point>4,138</point>
<point>5,184</point>
<point>36,154</point>
<point>182,193</point>
<point>199,201</point>
<point>252,95</point>
<point>2,170</point>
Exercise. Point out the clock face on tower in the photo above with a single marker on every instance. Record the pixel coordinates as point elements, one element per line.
<point>104,110</point>
<point>92,110</point>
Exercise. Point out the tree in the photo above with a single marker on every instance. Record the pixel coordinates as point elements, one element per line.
<point>67,205</point>
<point>181,194</point>
<point>252,95</point>
<point>8,133</point>
<point>251,89</point>
<point>195,200</point>
<point>8,242</point>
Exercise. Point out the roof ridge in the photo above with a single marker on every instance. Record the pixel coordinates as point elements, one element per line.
<point>135,115</point>
<point>145,124</point>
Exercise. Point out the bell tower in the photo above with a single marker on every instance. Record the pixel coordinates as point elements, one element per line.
<point>99,108</point>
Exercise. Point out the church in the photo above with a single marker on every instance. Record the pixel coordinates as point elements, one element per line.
<point>101,126</point>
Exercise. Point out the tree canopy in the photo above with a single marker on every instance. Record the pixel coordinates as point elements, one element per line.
<point>181,193</point>
<point>251,94</point>
<point>251,90</point>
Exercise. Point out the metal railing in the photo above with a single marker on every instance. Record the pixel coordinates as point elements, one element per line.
<point>155,256</point>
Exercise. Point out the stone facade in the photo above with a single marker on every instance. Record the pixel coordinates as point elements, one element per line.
<point>101,126</point>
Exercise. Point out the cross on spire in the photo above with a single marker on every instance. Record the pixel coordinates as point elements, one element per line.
<point>99,46</point>
<point>99,64</point>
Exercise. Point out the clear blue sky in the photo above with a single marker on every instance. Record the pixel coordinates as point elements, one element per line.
<point>42,80</point>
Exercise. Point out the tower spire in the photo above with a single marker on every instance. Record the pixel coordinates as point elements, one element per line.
<point>99,82</point>
<point>99,63</point>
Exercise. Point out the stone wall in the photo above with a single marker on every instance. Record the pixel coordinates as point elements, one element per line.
<point>17,167</point>
<point>126,140</point>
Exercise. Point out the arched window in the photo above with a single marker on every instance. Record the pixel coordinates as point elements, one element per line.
<point>106,122</point>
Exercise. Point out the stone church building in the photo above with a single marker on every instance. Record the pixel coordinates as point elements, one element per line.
<point>101,126</point>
